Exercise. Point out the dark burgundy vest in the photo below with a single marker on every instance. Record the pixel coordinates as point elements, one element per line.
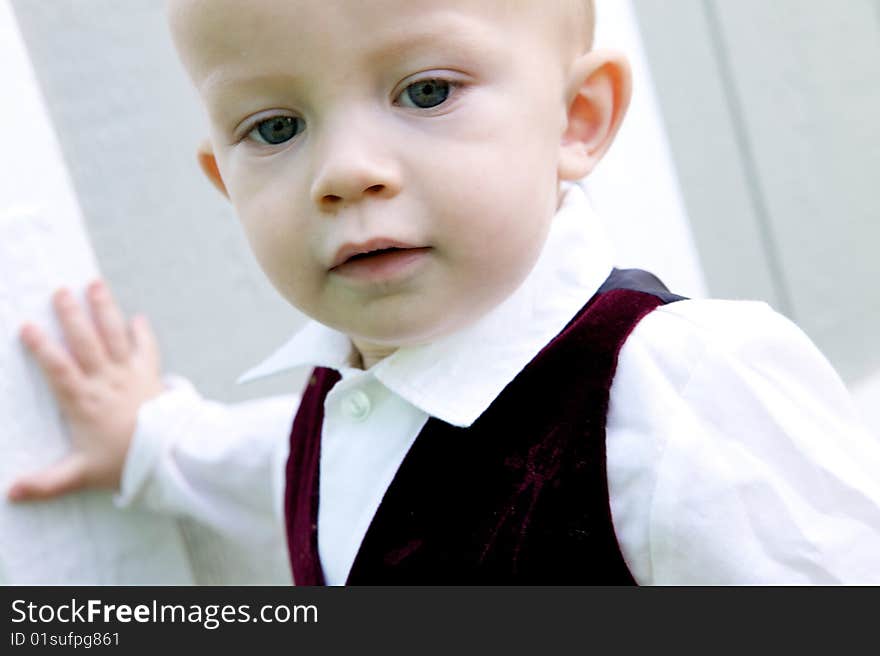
<point>519,497</point>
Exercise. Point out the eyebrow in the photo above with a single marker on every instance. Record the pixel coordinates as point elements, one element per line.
<point>454,35</point>
<point>217,82</point>
<point>426,39</point>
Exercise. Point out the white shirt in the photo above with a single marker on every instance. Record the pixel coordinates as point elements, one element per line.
<point>734,452</point>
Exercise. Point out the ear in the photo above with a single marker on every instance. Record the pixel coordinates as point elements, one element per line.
<point>599,91</point>
<point>208,164</point>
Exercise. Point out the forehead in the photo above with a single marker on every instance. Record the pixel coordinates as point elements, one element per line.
<point>217,34</point>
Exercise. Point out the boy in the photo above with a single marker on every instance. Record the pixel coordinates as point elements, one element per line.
<point>403,172</point>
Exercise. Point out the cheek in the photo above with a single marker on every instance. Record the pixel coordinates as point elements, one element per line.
<point>504,164</point>
<point>265,197</point>
<point>496,224</point>
<point>491,252</point>
<point>279,243</point>
<point>503,215</point>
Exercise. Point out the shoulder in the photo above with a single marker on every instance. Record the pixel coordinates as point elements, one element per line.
<point>728,426</point>
<point>708,358</point>
<point>716,324</point>
<point>685,337</point>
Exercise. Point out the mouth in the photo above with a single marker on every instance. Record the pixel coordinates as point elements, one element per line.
<point>374,248</point>
<point>379,262</point>
<point>381,251</point>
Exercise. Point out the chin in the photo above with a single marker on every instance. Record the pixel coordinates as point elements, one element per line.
<point>406,332</point>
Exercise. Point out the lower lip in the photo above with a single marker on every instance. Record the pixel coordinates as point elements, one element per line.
<point>384,267</point>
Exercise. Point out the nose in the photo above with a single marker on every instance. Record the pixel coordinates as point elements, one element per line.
<point>351,166</point>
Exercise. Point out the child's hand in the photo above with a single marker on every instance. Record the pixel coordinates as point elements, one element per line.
<point>99,383</point>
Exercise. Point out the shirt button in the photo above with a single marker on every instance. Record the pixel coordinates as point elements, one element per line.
<point>357,405</point>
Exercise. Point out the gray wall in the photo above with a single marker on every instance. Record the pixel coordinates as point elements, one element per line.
<point>170,245</point>
<point>772,111</point>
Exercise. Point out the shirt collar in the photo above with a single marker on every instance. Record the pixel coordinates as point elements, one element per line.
<point>456,377</point>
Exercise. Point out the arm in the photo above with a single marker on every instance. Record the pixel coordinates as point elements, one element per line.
<point>754,467</point>
<point>222,464</point>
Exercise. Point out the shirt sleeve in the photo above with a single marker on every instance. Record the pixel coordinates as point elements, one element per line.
<point>736,456</point>
<point>220,464</point>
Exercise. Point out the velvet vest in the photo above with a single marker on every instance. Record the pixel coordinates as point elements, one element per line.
<point>519,497</point>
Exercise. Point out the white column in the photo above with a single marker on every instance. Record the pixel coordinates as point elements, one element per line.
<point>81,538</point>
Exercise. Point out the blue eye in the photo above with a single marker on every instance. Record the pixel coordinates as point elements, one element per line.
<point>277,130</point>
<point>425,94</point>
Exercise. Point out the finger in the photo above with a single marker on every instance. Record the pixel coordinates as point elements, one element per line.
<point>110,322</point>
<point>79,332</point>
<point>146,345</point>
<point>60,370</point>
<point>67,475</point>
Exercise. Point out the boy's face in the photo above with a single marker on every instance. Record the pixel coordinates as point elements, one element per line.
<point>433,125</point>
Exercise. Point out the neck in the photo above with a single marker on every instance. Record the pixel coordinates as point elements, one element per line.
<point>364,355</point>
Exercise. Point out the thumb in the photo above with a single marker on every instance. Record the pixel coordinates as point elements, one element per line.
<point>66,475</point>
